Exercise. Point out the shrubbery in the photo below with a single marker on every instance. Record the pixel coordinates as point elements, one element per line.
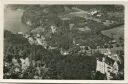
<point>51,63</point>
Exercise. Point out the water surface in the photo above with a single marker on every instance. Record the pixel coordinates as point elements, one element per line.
<point>12,21</point>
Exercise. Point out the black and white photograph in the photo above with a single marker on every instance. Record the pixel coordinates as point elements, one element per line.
<point>63,41</point>
<point>65,83</point>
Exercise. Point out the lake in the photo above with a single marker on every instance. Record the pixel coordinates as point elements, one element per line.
<point>12,21</point>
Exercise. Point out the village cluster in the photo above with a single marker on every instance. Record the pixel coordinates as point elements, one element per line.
<point>107,64</point>
<point>85,28</point>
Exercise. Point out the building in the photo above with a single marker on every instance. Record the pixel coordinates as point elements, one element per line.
<point>52,48</point>
<point>84,29</point>
<point>82,49</point>
<point>104,51</point>
<point>107,66</point>
<point>31,40</point>
<point>29,23</point>
<point>64,52</point>
<point>25,63</point>
<point>20,33</point>
<point>53,29</point>
<point>71,26</point>
<point>107,23</point>
<point>93,12</point>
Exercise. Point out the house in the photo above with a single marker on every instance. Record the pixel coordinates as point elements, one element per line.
<point>20,33</point>
<point>53,28</point>
<point>25,63</point>
<point>38,35</point>
<point>89,51</point>
<point>84,29</point>
<point>114,56</point>
<point>39,41</point>
<point>26,35</point>
<point>108,66</point>
<point>64,52</point>
<point>65,18</point>
<point>82,49</point>
<point>38,30</point>
<point>98,15</point>
<point>107,23</point>
<point>29,23</point>
<point>42,37</point>
<point>93,12</point>
<point>31,40</point>
<point>18,9</point>
<point>71,26</point>
<point>15,62</point>
<point>52,48</point>
<point>104,51</point>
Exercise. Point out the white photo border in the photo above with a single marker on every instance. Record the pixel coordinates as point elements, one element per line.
<point>124,3</point>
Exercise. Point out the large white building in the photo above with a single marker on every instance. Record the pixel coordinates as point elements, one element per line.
<point>108,66</point>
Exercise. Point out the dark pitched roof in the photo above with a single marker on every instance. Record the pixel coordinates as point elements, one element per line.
<point>109,61</point>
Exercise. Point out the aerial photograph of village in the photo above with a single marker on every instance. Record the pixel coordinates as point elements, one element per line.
<point>63,42</point>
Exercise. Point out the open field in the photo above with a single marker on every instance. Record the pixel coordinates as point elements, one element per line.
<point>117,32</point>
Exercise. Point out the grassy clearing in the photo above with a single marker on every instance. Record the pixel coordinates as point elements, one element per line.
<point>116,32</point>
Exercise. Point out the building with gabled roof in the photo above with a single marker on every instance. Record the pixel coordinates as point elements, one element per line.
<point>107,66</point>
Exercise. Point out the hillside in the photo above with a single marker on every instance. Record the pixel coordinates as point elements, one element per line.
<point>46,16</point>
<point>62,41</point>
<point>56,65</point>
